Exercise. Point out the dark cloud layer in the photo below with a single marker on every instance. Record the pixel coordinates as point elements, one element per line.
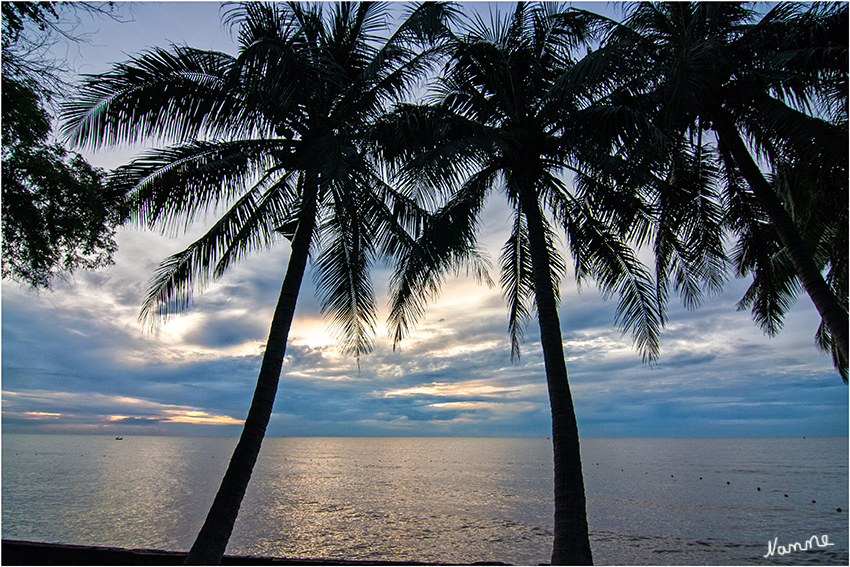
<point>78,360</point>
<point>62,366</point>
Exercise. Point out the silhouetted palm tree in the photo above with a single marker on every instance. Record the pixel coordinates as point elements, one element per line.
<point>275,133</point>
<point>778,83</point>
<point>815,206</point>
<point>507,114</point>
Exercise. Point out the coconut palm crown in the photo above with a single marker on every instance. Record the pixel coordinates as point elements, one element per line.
<point>272,136</point>
<point>513,112</point>
<point>766,92</point>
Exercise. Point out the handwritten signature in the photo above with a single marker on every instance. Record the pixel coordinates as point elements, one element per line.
<point>810,543</point>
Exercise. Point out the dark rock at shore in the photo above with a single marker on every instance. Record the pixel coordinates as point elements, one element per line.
<point>34,553</point>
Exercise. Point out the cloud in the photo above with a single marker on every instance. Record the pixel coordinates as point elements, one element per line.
<point>78,359</point>
<point>91,411</point>
<point>717,374</point>
<point>456,390</point>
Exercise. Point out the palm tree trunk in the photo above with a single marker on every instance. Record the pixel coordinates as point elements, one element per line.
<point>572,541</point>
<point>813,282</point>
<point>211,542</point>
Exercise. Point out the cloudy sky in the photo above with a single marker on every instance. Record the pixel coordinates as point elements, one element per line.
<point>76,359</point>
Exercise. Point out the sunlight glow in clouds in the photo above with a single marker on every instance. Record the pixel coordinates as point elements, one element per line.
<point>76,359</point>
<point>199,417</point>
<point>458,390</point>
<point>498,406</point>
<point>96,408</point>
<point>460,350</point>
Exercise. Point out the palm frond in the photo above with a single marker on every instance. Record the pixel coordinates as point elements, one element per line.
<point>600,254</point>
<point>426,23</point>
<point>249,225</point>
<point>689,242</point>
<point>257,21</point>
<point>275,79</point>
<point>395,219</point>
<point>440,149</point>
<point>388,78</point>
<point>517,282</point>
<point>164,185</point>
<point>179,94</point>
<point>446,245</point>
<point>757,251</point>
<point>825,342</point>
<point>342,276</point>
<point>782,132</point>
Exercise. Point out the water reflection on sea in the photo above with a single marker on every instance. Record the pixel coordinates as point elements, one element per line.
<point>650,501</point>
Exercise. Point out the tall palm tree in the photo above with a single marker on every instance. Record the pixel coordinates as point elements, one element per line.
<point>779,82</point>
<point>275,133</point>
<point>507,114</point>
<point>815,206</point>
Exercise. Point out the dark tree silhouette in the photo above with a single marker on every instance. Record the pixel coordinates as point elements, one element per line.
<point>57,215</point>
<point>511,112</point>
<point>276,132</point>
<point>770,87</point>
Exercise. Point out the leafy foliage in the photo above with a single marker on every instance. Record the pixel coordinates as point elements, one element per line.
<point>780,78</point>
<point>23,56</point>
<point>57,215</point>
<point>252,133</point>
<point>272,140</point>
<point>30,29</point>
<point>502,117</point>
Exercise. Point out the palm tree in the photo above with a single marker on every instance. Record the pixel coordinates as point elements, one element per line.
<point>507,114</point>
<point>815,206</point>
<point>779,82</point>
<point>274,133</point>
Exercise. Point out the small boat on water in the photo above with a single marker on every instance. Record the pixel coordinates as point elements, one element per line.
<point>119,438</point>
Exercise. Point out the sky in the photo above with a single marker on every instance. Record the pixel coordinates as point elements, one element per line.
<point>75,359</point>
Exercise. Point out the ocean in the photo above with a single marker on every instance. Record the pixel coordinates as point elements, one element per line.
<point>702,501</point>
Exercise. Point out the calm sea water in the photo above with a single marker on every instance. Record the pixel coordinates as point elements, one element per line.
<point>650,501</point>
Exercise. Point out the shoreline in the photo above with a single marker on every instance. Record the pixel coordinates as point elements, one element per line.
<point>18,552</point>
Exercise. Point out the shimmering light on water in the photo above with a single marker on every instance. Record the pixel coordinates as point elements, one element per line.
<point>650,501</point>
<point>452,500</point>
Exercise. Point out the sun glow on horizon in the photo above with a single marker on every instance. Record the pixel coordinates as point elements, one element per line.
<point>200,417</point>
<point>100,408</point>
